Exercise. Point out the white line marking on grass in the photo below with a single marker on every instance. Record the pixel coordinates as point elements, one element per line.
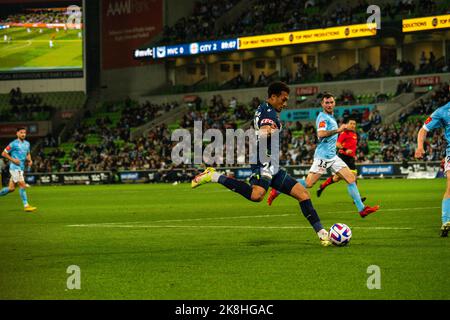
<point>194,219</point>
<point>136,223</point>
<point>15,47</point>
<point>56,40</point>
<point>381,210</point>
<point>220,227</point>
<point>226,218</point>
<point>178,220</point>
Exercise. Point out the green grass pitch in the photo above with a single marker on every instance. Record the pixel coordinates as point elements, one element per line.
<point>31,51</point>
<point>172,242</point>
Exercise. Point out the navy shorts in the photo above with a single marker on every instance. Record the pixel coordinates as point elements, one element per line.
<point>281,181</point>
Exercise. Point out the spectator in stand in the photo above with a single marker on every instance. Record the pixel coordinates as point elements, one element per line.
<point>375,117</point>
<point>233,103</point>
<point>250,79</point>
<point>422,61</point>
<point>432,60</point>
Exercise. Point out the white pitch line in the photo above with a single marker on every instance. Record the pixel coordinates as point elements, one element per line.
<point>223,227</point>
<point>14,47</point>
<point>235,217</point>
<point>195,219</point>
<point>227,218</point>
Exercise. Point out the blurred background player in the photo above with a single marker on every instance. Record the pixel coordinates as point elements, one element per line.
<point>439,119</point>
<point>51,40</point>
<point>325,156</point>
<point>347,144</point>
<point>264,175</point>
<point>18,154</point>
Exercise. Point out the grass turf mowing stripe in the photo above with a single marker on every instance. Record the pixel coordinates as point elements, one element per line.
<point>244,217</point>
<point>224,227</point>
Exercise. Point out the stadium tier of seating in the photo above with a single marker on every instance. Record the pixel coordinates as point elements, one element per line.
<point>265,16</point>
<point>18,106</point>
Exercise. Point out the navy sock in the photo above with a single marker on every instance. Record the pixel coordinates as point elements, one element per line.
<point>237,186</point>
<point>311,215</point>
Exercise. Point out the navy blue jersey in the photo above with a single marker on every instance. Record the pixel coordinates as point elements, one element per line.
<point>266,115</point>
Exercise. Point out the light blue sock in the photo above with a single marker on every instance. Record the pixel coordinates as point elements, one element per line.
<point>302,182</point>
<point>4,192</point>
<point>23,195</point>
<point>354,193</point>
<point>445,210</point>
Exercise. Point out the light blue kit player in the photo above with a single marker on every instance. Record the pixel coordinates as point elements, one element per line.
<point>439,119</point>
<point>325,157</point>
<point>18,153</point>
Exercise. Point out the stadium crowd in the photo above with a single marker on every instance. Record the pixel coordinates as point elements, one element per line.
<point>201,24</point>
<point>117,151</point>
<point>265,16</point>
<point>36,16</point>
<point>25,107</point>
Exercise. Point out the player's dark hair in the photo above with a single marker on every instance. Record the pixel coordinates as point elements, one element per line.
<point>276,88</point>
<point>351,119</point>
<point>326,95</point>
<point>21,128</point>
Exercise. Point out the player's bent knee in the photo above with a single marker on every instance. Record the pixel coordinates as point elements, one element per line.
<point>302,196</point>
<point>351,179</point>
<point>258,194</point>
<point>299,192</point>
<point>257,197</point>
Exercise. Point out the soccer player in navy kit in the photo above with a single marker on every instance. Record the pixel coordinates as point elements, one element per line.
<point>18,153</point>
<point>265,175</point>
<point>325,156</point>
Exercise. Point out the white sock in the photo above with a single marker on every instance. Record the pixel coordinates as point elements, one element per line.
<point>215,177</point>
<point>322,233</point>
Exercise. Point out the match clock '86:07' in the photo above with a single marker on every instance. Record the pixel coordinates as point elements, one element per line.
<point>340,234</point>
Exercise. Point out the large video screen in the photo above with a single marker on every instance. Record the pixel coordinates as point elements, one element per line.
<point>41,36</point>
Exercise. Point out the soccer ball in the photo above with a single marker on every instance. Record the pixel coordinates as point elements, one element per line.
<point>340,234</point>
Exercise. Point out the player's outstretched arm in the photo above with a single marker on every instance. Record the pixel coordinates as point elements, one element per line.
<point>328,133</point>
<point>421,136</point>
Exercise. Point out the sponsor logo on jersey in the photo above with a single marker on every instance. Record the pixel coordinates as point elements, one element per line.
<point>322,124</point>
<point>267,121</point>
<point>428,120</point>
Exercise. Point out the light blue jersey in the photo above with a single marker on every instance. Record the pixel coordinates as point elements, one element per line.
<point>440,118</point>
<point>326,148</point>
<point>18,150</point>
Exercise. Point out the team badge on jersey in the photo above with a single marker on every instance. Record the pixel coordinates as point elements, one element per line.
<point>428,120</point>
<point>322,124</point>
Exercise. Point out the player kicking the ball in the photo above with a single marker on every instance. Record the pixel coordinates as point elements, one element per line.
<point>18,152</point>
<point>264,175</point>
<point>439,119</point>
<point>325,157</point>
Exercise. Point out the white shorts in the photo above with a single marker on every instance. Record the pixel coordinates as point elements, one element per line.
<point>16,175</point>
<point>321,166</point>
